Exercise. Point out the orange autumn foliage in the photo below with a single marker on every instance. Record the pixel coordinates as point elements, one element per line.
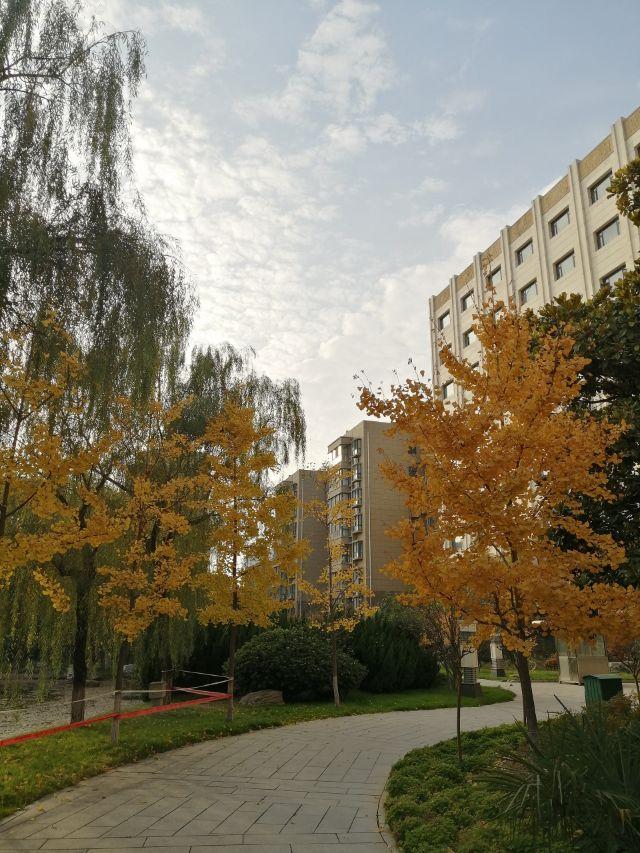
<point>151,568</point>
<point>251,543</point>
<point>39,386</point>
<point>504,469</point>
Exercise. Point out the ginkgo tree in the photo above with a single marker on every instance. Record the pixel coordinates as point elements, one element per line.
<point>504,469</point>
<point>340,597</point>
<point>158,494</point>
<point>39,387</point>
<point>250,536</point>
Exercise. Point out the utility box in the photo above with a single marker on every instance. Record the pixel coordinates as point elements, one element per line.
<point>601,688</point>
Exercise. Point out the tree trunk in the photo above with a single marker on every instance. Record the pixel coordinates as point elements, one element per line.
<point>231,668</point>
<point>528,702</point>
<point>334,669</point>
<point>123,654</point>
<point>458,706</point>
<point>80,651</point>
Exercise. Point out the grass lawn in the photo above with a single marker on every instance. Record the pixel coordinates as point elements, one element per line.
<point>536,675</point>
<point>434,805</point>
<point>512,675</point>
<point>30,770</point>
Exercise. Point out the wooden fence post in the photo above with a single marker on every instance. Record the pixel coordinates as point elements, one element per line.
<point>230,700</point>
<point>167,678</point>
<point>115,721</point>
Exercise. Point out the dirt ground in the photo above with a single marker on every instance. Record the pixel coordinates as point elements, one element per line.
<point>56,712</point>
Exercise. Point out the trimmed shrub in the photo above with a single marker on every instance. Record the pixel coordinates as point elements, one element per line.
<point>390,648</point>
<point>296,660</point>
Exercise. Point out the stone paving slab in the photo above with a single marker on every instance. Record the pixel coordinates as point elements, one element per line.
<point>308,788</point>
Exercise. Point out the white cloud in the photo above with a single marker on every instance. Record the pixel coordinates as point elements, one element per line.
<point>386,128</point>
<point>423,219</point>
<point>463,101</point>
<point>429,185</point>
<point>438,128</point>
<point>341,68</point>
<point>472,231</point>
<point>152,18</point>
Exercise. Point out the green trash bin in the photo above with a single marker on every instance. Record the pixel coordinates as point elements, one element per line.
<point>600,688</point>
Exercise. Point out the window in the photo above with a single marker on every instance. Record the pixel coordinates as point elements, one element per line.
<point>524,252</point>
<point>356,495</point>
<point>615,275</point>
<point>357,472</point>
<point>356,446</point>
<point>607,233</point>
<point>444,320</point>
<point>458,543</point>
<point>467,301</point>
<point>599,189</point>
<point>447,390</point>
<point>469,337</point>
<point>564,265</point>
<point>559,223</point>
<point>357,523</point>
<point>358,550</point>
<point>495,276</point>
<point>528,292</point>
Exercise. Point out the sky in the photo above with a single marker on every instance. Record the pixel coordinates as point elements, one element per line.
<point>327,165</point>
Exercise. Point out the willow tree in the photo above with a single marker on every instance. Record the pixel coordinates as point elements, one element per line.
<point>221,375</point>
<point>74,237</point>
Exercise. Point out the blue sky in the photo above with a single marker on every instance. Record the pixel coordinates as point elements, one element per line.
<point>328,164</point>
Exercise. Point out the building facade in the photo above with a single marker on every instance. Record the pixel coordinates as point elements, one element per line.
<point>572,239</point>
<point>378,505</point>
<point>305,486</point>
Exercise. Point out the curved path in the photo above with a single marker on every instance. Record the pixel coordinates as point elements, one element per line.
<point>313,787</point>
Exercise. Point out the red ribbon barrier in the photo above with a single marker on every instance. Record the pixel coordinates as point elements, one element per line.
<point>127,715</point>
<point>56,730</point>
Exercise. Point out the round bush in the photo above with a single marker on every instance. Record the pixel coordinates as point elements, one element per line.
<point>295,660</point>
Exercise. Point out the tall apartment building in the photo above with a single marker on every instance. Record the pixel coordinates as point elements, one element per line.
<point>305,486</point>
<point>570,240</point>
<point>378,505</point>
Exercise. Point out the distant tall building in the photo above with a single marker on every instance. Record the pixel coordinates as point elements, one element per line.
<point>304,484</point>
<point>358,453</point>
<point>378,505</point>
<point>572,239</point>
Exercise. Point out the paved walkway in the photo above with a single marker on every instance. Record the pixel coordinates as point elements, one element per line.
<point>308,788</point>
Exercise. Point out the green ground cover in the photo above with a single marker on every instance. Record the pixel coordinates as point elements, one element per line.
<point>512,675</point>
<point>30,770</point>
<point>434,805</point>
<point>536,675</point>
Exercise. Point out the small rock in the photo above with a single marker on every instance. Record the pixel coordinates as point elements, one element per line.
<point>262,697</point>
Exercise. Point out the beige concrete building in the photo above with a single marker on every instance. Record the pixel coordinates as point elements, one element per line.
<point>378,505</point>
<point>306,488</point>
<point>570,240</point>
